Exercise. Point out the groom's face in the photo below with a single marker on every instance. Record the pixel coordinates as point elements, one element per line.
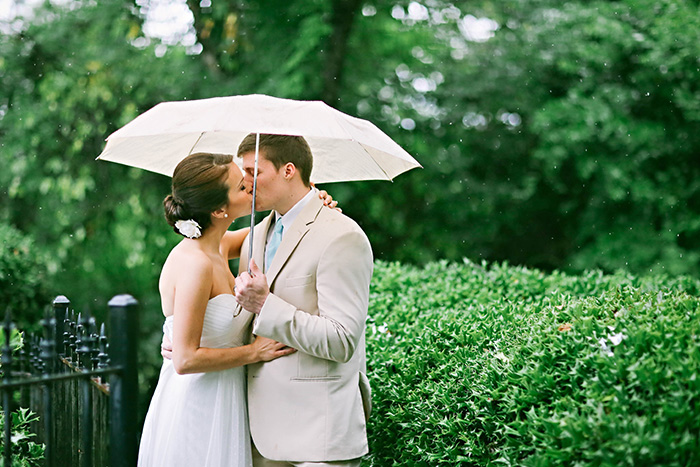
<point>271,187</point>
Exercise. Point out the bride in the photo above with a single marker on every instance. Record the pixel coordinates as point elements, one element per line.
<point>197,414</point>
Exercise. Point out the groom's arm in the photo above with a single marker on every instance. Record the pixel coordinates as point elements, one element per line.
<point>342,282</point>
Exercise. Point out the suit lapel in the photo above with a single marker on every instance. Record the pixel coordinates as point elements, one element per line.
<point>291,239</point>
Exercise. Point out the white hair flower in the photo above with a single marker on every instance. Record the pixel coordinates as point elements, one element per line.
<point>189,228</point>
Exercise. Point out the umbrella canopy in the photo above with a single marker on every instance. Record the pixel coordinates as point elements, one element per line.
<point>344,148</point>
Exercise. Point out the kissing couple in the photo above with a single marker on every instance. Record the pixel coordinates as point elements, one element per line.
<point>267,368</point>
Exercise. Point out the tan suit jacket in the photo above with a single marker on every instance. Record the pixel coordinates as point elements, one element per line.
<point>312,406</point>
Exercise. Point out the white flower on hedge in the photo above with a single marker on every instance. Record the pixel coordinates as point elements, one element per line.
<point>17,437</point>
<point>501,356</point>
<point>188,228</point>
<point>621,312</point>
<point>616,338</point>
<point>604,346</point>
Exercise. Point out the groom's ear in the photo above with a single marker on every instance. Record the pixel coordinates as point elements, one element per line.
<point>289,170</point>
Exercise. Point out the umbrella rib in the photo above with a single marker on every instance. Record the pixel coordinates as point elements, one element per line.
<point>196,142</point>
<point>375,162</point>
<point>341,123</point>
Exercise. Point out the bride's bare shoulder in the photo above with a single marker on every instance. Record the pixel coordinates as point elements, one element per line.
<point>184,260</point>
<point>184,265</point>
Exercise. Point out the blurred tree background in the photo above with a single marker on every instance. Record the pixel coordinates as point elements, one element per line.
<point>557,135</point>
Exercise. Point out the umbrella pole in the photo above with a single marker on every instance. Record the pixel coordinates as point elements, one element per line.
<point>255,186</point>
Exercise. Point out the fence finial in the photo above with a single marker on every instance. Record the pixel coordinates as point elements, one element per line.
<point>48,344</point>
<point>102,356</point>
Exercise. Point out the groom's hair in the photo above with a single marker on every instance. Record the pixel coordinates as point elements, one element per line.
<point>280,149</point>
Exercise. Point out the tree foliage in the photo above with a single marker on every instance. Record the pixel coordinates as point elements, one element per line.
<point>565,140</point>
<point>22,278</point>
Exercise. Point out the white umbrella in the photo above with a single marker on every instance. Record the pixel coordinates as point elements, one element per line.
<point>344,148</point>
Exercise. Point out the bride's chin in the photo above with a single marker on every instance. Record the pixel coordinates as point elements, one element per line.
<point>242,213</point>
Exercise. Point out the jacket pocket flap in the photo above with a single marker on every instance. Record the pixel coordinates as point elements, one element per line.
<point>299,281</point>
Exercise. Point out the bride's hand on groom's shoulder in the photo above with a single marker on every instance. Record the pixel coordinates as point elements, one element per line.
<point>267,349</point>
<point>328,200</point>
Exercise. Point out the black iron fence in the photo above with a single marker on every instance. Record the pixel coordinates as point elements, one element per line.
<point>82,382</point>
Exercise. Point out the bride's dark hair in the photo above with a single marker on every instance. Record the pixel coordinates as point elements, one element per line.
<point>199,188</point>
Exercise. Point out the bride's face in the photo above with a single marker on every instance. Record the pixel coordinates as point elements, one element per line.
<point>239,201</point>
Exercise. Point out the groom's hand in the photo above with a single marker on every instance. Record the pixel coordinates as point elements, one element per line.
<point>251,289</point>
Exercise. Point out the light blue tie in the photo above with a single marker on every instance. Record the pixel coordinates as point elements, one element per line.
<point>274,243</point>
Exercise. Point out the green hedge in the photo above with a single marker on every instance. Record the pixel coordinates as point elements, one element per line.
<point>498,365</point>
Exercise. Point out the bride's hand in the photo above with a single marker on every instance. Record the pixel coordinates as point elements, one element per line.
<point>268,349</point>
<point>328,200</point>
<point>166,348</point>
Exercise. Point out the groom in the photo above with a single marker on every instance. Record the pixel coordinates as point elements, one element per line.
<point>309,408</point>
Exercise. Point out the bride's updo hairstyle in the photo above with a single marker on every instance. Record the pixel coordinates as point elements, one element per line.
<point>199,188</point>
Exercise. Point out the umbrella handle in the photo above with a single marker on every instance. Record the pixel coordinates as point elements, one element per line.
<point>255,186</point>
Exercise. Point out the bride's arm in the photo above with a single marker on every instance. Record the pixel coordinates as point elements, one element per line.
<point>232,242</point>
<point>192,291</point>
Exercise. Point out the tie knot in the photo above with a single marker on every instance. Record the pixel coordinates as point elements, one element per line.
<point>278,227</point>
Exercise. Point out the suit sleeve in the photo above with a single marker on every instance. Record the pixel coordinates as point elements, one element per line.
<point>342,281</point>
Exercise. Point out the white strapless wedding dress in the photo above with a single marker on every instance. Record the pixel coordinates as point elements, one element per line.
<point>201,420</point>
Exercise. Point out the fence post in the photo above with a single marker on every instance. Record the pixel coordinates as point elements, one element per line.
<point>123,351</point>
<point>60,313</point>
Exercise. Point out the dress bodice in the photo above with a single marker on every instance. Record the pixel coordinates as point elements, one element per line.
<point>201,418</point>
<point>222,326</point>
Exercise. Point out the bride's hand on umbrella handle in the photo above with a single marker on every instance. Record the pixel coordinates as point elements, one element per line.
<point>328,200</point>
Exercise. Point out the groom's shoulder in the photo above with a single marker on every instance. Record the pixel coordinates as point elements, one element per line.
<point>336,222</point>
